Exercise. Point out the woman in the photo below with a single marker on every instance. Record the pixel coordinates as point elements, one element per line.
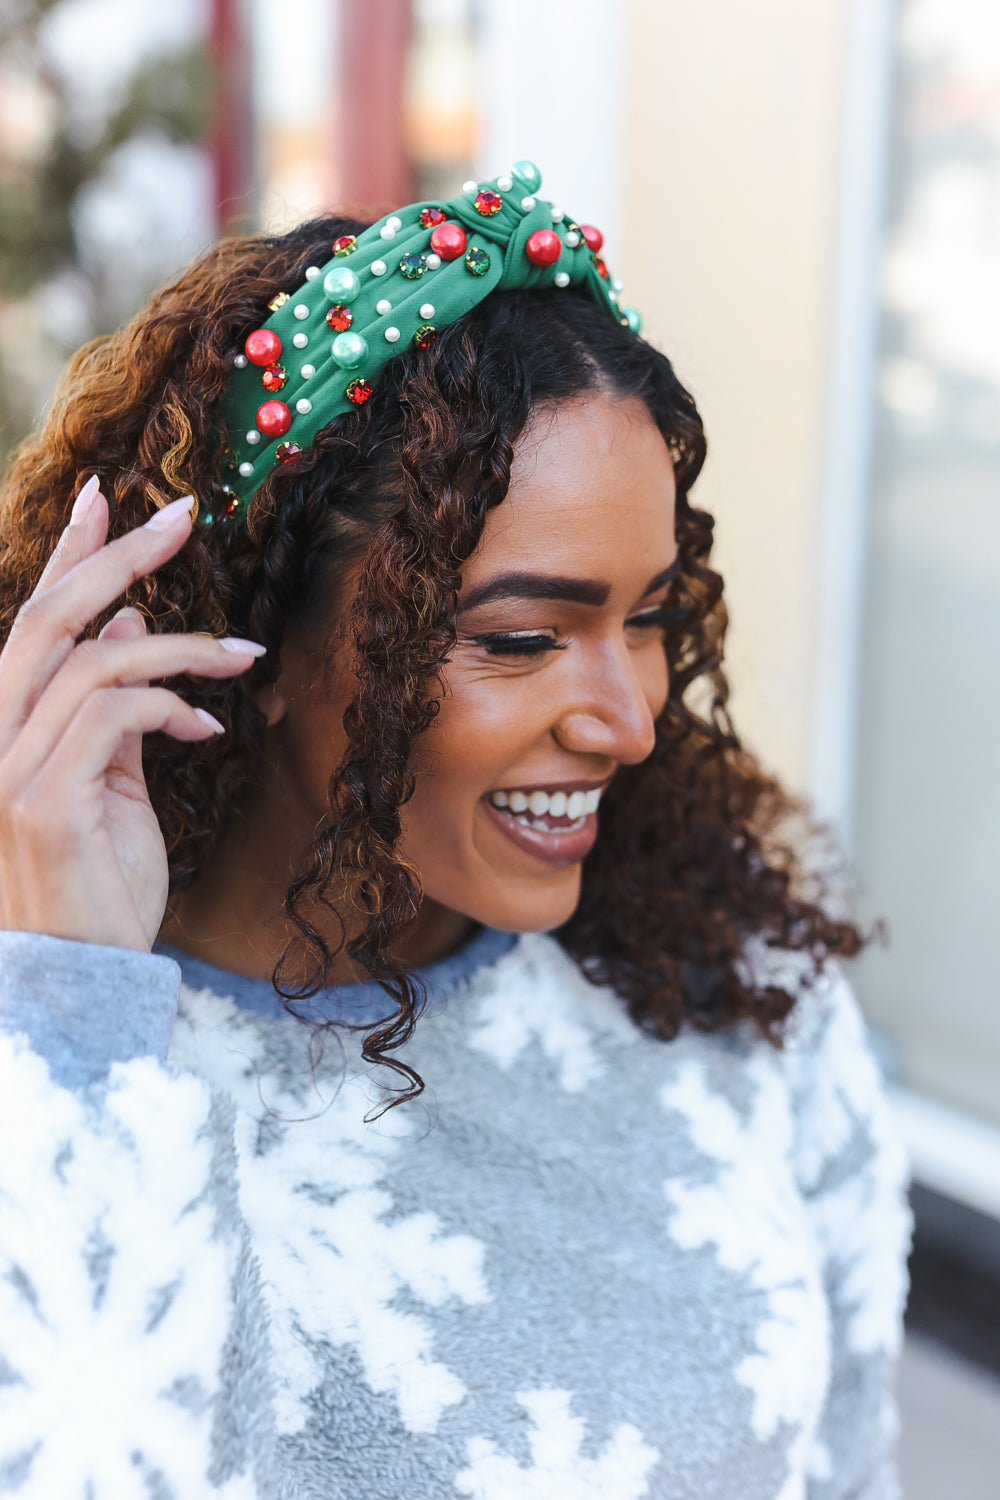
<point>438,726</point>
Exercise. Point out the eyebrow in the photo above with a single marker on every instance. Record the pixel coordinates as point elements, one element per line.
<point>592,591</point>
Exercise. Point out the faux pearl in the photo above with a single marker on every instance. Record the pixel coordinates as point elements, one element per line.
<point>240,361</point>
<point>572,239</point>
<point>312,272</point>
<point>300,340</point>
<point>619,286</point>
<point>303,407</point>
<point>378,268</point>
<point>300,310</point>
<point>528,203</point>
<point>307,372</point>
<point>557,216</point>
<point>391,335</point>
<point>341,285</point>
<point>432,262</point>
<point>387,232</point>
<point>529,174</point>
<point>427,309</point>
<point>470,186</point>
<point>505,184</point>
<point>253,437</point>
<point>393,222</point>
<point>246,470</point>
<point>349,349</point>
<point>562,278</point>
<point>612,296</point>
<point>383,307</point>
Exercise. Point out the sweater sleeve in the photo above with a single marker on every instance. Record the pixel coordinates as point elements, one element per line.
<point>134,1353</point>
<point>853,1177</point>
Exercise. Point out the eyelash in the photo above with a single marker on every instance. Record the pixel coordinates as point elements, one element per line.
<point>526,643</point>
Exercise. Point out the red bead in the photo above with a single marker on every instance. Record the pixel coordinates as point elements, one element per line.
<point>593,237</point>
<point>273,419</point>
<point>488,203</point>
<point>602,269</point>
<point>358,392</point>
<point>339,318</point>
<point>543,248</point>
<point>431,216</point>
<point>449,241</point>
<point>286,451</point>
<point>263,347</point>
<point>273,378</point>
<point>231,508</point>
<point>345,244</point>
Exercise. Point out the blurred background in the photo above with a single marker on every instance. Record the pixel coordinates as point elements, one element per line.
<point>804,200</point>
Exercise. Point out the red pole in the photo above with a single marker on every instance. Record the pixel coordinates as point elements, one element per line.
<point>374,43</point>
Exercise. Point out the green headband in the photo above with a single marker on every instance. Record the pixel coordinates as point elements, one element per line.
<point>392,288</point>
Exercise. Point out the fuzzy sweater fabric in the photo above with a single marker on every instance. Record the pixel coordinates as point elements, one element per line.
<point>585,1265</point>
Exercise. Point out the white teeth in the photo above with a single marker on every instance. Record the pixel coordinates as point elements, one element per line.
<point>576,804</point>
<point>593,799</point>
<point>517,802</point>
<point>538,802</point>
<point>557,804</point>
<point>499,799</point>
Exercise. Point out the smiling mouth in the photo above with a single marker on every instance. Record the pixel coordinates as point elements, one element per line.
<point>548,812</point>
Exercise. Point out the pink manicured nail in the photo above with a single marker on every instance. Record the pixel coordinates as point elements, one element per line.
<point>84,500</point>
<point>170,514</point>
<point>240,647</point>
<point>213,724</point>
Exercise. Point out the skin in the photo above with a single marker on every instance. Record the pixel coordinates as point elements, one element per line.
<point>591,502</point>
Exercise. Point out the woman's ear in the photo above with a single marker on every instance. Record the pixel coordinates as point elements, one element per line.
<point>272,704</point>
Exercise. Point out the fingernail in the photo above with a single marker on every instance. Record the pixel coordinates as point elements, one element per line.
<point>240,647</point>
<point>84,500</point>
<point>206,718</point>
<point>170,514</point>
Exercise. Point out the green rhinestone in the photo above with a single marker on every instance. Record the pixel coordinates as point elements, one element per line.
<point>412,266</point>
<point>477,261</point>
<point>632,317</point>
<point>529,175</point>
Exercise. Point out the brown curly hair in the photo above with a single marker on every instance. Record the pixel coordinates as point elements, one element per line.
<point>692,858</point>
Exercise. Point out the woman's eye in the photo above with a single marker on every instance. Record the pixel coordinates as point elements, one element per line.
<point>656,619</point>
<point>517,643</point>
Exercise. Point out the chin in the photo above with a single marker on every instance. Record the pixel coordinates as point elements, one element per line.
<point>511,910</point>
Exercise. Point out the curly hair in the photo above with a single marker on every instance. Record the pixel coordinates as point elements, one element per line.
<point>692,859</point>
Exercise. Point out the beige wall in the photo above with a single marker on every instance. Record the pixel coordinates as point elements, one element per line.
<point>732,142</point>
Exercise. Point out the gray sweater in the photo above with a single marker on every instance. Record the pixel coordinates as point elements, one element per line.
<point>586,1265</point>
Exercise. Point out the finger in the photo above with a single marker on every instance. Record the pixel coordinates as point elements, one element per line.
<point>127,624</point>
<point>101,666</point>
<point>47,626</point>
<point>85,534</point>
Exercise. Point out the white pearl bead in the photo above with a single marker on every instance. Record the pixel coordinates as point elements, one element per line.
<point>300,310</point>
<point>612,296</point>
<point>387,232</point>
<point>427,309</point>
<point>303,406</point>
<point>246,470</point>
<point>378,268</point>
<point>383,307</point>
<point>240,361</point>
<point>528,203</point>
<point>470,186</point>
<point>393,222</point>
<point>432,261</point>
<point>505,184</point>
<point>562,278</point>
<point>300,340</point>
<point>312,272</point>
<point>391,335</point>
<point>619,286</point>
<point>307,372</point>
<point>253,437</point>
<point>557,216</point>
<point>572,239</point>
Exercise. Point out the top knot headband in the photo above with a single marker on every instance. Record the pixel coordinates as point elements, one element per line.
<point>392,287</point>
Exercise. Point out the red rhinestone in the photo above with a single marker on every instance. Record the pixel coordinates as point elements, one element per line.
<point>274,419</point>
<point>358,392</point>
<point>543,248</point>
<point>339,318</point>
<point>263,347</point>
<point>273,378</point>
<point>449,241</point>
<point>593,237</point>
<point>425,336</point>
<point>345,244</point>
<point>488,203</point>
<point>602,269</point>
<point>286,451</point>
<point>231,507</point>
<point>431,216</point>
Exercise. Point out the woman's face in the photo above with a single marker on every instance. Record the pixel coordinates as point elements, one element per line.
<point>558,674</point>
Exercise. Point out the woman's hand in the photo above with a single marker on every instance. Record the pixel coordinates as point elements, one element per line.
<point>81,852</point>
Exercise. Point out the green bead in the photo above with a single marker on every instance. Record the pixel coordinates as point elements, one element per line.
<point>341,284</point>
<point>633,317</point>
<point>412,266</point>
<point>477,261</point>
<point>349,349</point>
<point>529,175</point>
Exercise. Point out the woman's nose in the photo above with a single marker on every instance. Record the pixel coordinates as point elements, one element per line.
<point>612,714</point>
